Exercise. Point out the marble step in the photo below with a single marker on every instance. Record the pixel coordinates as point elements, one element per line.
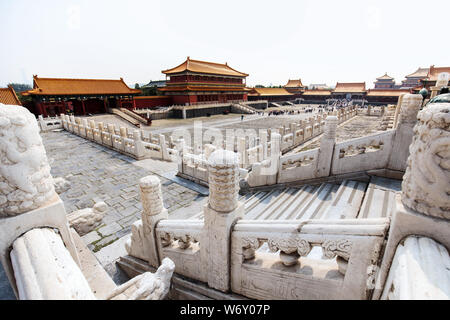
<point>320,201</point>
<point>379,199</point>
<point>347,201</point>
<point>267,200</point>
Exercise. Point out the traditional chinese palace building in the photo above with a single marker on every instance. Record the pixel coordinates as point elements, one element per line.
<point>319,96</point>
<point>53,96</point>
<point>413,80</point>
<point>201,82</point>
<point>8,96</point>
<point>385,82</point>
<point>349,90</point>
<point>270,94</point>
<point>432,76</point>
<point>294,86</point>
<point>384,96</point>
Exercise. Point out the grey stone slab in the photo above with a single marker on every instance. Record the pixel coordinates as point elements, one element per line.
<point>91,237</point>
<point>186,183</point>
<point>6,292</point>
<point>110,228</point>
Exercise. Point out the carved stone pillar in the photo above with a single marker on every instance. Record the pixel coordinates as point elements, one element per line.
<point>407,118</point>
<point>164,151</point>
<point>123,132</point>
<point>423,208</point>
<point>242,151</point>
<point>142,243</point>
<point>221,213</point>
<point>263,142</point>
<point>27,196</point>
<point>326,149</point>
<point>180,153</point>
<point>139,146</point>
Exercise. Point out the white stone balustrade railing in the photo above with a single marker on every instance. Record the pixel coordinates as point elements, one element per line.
<point>49,123</point>
<point>258,152</point>
<point>181,241</point>
<point>298,166</point>
<point>386,150</point>
<point>350,252</point>
<point>229,254</point>
<point>132,143</point>
<point>365,153</point>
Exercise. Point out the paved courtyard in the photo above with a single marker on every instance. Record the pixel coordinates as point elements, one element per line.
<point>356,127</point>
<point>100,174</point>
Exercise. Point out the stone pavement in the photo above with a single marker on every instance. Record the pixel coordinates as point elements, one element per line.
<point>100,174</point>
<point>359,126</point>
<point>6,292</point>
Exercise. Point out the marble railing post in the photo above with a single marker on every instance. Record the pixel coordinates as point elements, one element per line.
<point>164,151</point>
<point>263,142</point>
<point>404,132</point>
<point>180,153</point>
<point>64,120</point>
<point>111,129</point>
<point>100,131</point>
<point>326,149</point>
<point>242,151</point>
<point>123,132</point>
<point>220,214</point>
<point>142,243</point>
<point>83,130</point>
<point>139,146</point>
<point>422,208</point>
<point>27,195</point>
<point>397,109</point>
<point>369,110</point>
<point>41,122</point>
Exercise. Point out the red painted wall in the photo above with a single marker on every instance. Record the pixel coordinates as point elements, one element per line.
<point>152,101</point>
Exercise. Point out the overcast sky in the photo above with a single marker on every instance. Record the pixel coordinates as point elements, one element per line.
<point>317,41</point>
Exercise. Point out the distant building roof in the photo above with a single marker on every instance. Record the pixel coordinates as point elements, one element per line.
<point>350,87</point>
<point>62,86</point>
<point>317,92</point>
<point>8,96</point>
<point>317,86</point>
<point>386,92</point>
<point>385,77</point>
<point>270,92</point>
<point>157,83</point>
<point>434,72</point>
<point>294,84</point>
<point>205,67</point>
<point>419,73</point>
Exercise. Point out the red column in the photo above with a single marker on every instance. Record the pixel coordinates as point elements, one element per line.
<point>82,105</point>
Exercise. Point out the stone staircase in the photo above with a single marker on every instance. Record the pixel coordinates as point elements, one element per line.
<point>275,105</point>
<point>388,120</point>
<point>348,200</point>
<point>124,116</point>
<point>134,115</point>
<point>242,108</point>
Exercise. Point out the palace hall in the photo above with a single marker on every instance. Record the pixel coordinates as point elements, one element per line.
<point>53,96</point>
<point>197,82</point>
